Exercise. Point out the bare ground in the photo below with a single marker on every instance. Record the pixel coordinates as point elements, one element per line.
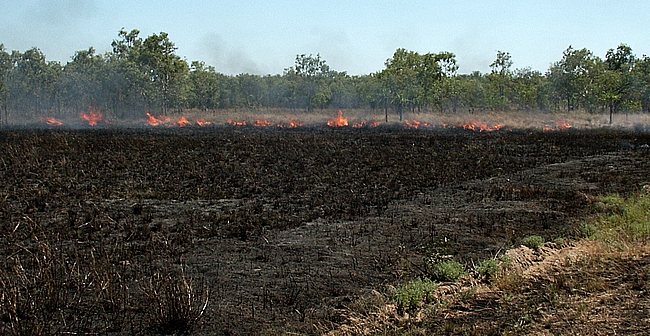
<point>281,231</point>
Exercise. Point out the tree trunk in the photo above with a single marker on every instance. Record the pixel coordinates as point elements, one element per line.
<point>386,108</point>
<point>611,113</point>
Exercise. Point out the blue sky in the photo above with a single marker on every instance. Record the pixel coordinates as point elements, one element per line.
<point>263,37</point>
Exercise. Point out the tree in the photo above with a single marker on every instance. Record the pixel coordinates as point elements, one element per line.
<point>640,86</point>
<point>574,78</point>
<point>166,69</point>
<point>310,79</point>
<point>33,82</point>
<point>202,90</point>
<point>526,86</point>
<point>500,79</point>
<point>6,66</point>
<point>155,57</point>
<point>616,79</point>
<point>82,80</point>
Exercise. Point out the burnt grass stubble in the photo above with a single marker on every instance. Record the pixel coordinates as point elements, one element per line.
<point>246,230</point>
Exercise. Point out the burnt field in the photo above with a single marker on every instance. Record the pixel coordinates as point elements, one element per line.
<point>246,230</point>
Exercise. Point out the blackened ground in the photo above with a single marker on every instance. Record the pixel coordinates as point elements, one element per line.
<point>279,229</point>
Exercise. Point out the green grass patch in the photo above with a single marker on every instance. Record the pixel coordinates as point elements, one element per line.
<point>448,271</point>
<point>630,219</point>
<point>488,270</point>
<point>533,242</point>
<point>414,294</point>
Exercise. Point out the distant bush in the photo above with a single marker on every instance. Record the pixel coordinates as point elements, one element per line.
<point>448,271</point>
<point>415,293</point>
<point>533,242</point>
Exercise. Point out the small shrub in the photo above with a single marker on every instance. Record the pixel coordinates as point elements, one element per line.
<point>488,269</point>
<point>414,294</point>
<point>448,271</point>
<point>588,230</point>
<point>533,242</point>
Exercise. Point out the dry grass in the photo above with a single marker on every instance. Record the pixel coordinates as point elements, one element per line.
<point>601,284</point>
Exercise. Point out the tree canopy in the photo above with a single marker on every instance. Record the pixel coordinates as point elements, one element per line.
<point>145,74</point>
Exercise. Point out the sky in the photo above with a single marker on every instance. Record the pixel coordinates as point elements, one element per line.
<point>264,37</point>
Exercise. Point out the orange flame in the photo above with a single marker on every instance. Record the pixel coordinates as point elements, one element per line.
<point>480,127</point>
<point>262,123</point>
<point>364,123</point>
<point>338,122</point>
<point>182,122</point>
<point>292,124</point>
<point>153,121</point>
<point>93,117</point>
<point>52,121</point>
<point>359,124</point>
<point>203,123</point>
<point>560,125</point>
<point>414,124</point>
<point>236,123</point>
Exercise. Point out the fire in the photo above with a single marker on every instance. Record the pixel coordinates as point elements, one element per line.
<point>236,123</point>
<point>338,122</point>
<point>292,124</point>
<point>52,122</point>
<point>359,124</point>
<point>414,124</point>
<point>560,125</point>
<point>161,120</point>
<point>364,123</point>
<point>182,122</point>
<point>262,123</point>
<point>203,123</point>
<point>480,127</point>
<point>93,117</point>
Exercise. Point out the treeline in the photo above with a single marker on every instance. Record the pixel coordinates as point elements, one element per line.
<point>146,74</point>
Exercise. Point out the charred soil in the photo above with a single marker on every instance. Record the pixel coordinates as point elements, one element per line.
<point>246,231</point>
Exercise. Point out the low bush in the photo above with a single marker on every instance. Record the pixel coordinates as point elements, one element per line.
<point>448,271</point>
<point>488,269</point>
<point>414,293</point>
<point>533,242</point>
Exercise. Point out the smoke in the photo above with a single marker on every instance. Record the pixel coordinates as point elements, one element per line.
<point>61,13</point>
<point>226,58</point>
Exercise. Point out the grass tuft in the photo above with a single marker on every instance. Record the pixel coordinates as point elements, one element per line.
<point>533,242</point>
<point>448,271</point>
<point>414,294</point>
<point>488,270</point>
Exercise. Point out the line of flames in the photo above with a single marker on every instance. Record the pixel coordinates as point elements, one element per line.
<point>560,125</point>
<point>94,117</point>
<point>167,121</point>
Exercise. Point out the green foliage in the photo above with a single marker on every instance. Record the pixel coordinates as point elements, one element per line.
<point>488,269</point>
<point>415,293</point>
<point>145,73</point>
<point>448,271</point>
<point>533,242</point>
